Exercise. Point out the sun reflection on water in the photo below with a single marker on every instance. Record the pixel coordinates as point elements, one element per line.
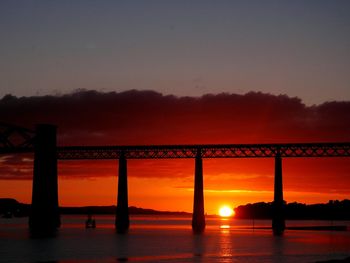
<point>225,225</point>
<point>226,243</point>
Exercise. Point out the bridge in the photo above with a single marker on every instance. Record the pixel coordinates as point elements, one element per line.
<point>45,213</point>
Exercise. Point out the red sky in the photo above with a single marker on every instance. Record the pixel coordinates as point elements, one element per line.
<point>147,117</point>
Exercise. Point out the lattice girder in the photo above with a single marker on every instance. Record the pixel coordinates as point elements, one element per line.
<point>15,139</point>
<point>206,151</point>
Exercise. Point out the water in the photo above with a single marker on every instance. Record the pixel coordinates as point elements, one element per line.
<point>170,239</point>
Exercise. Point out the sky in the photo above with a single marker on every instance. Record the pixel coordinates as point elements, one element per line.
<point>185,48</point>
<point>178,72</point>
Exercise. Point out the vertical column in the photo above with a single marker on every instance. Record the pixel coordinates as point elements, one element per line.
<point>44,216</point>
<point>198,219</point>
<point>278,223</point>
<point>122,212</point>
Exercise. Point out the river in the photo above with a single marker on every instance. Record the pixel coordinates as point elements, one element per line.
<point>170,239</point>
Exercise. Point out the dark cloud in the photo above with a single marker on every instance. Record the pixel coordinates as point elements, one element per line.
<point>147,117</point>
<point>138,117</point>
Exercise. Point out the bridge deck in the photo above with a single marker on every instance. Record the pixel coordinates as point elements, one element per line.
<point>206,151</point>
<point>339,149</point>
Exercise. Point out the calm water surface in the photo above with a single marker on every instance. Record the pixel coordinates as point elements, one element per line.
<point>170,239</point>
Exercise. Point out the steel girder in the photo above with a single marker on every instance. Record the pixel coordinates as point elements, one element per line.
<point>15,139</point>
<point>206,151</point>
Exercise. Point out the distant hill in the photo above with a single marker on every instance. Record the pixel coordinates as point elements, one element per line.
<point>333,210</point>
<point>10,206</point>
<point>111,210</point>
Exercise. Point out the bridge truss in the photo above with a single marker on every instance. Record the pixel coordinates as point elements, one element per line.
<point>206,151</point>
<point>15,139</point>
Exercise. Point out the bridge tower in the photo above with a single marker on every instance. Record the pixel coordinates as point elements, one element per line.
<point>278,222</point>
<point>122,211</point>
<point>44,216</point>
<point>198,219</point>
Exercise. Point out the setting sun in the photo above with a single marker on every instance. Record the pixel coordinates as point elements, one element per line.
<point>226,211</point>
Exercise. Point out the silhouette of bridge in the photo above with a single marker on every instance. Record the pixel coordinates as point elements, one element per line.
<point>45,214</point>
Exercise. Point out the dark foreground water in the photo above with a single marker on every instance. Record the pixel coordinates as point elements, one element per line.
<point>170,239</point>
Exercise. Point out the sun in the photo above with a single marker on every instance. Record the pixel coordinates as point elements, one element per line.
<point>226,211</point>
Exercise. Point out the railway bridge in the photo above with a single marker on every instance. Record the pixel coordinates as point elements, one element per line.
<point>45,210</point>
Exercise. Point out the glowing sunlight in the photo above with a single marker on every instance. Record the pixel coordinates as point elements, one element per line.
<point>226,211</point>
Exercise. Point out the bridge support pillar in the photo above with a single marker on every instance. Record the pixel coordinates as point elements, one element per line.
<point>198,219</point>
<point>278,222</point>
<point>122,211</point>
<point>44,216</point>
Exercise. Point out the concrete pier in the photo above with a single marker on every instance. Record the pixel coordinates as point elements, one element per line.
<point>122,213</point>
<point>44,216</point>
<point>198,219</point>
<point>278,221</point>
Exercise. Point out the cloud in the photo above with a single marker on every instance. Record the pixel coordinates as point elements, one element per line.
<point>16,167</point>
<point>88,117</point>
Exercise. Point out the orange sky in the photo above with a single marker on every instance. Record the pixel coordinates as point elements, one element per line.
<point>168,184</point>
<point>135,117</point>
